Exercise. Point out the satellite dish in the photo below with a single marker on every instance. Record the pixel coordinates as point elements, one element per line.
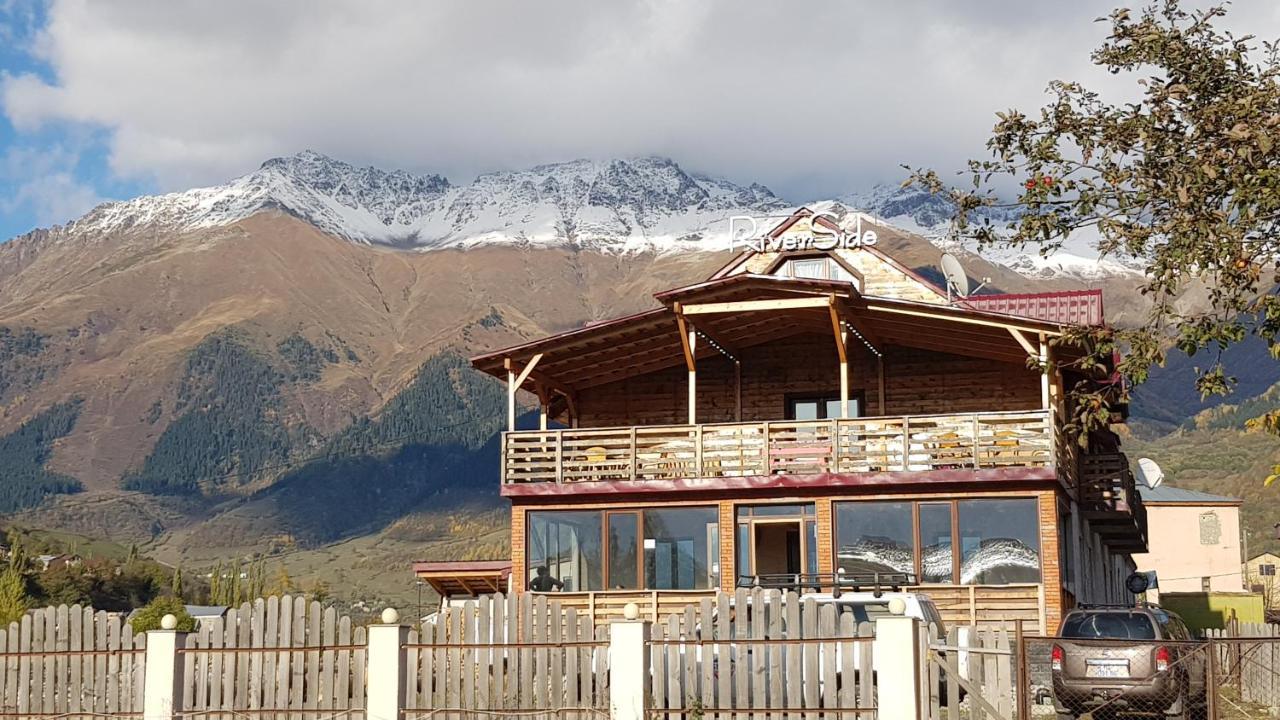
<point>957,280</point>
<point>1150,473</point>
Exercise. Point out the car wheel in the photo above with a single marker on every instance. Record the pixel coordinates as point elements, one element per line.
<point>1181,708</point>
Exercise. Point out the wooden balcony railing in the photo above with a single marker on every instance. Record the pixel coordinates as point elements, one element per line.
<point>1107,486</point>
<point>853,445</point>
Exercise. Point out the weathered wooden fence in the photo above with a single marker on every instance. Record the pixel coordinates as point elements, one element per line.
<point>70,662</point>
<point>978,662</point>
<point>275,656</point>
<point>519,654</point>
<point>763,652</point>
<point>1247,665</point>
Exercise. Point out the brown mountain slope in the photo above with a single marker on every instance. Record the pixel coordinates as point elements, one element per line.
<point>121,314</point>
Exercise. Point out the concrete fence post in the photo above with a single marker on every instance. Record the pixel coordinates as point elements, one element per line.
<point>162,678</point>
<point>897,658</point>
<point>629,666</point>
<point>385,676</point>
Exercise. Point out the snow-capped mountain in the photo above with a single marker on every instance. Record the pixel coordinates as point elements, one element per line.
<point>929,215</point>
<point>619,204</point>
<point>647,203</point>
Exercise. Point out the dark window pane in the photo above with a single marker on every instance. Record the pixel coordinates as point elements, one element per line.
<point>811,553</point>
<point>935,543</point>
<point>565,547</point>
<point>622,551</point>
<point>874,537</point>
<point>999,542</point>
<point>678,548</point>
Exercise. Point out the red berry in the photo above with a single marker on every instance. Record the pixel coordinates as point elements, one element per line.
<point>1031,184</point>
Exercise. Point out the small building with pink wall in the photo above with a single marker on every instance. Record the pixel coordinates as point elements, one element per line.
<point>1194,541</point>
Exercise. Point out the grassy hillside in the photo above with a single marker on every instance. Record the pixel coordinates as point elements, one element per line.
<point>1216,454</point>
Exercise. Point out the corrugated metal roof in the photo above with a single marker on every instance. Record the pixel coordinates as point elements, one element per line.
<point>1168,494</point>
<point>1066,307</point>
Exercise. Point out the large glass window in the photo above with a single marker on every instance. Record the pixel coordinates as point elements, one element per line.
<point>623,560</point>
<point>657,549</point>
<point>680,547</point>
<point>874,537</point>
<point>935,543</point>
<point>565,550</point>
<point>999,541</point>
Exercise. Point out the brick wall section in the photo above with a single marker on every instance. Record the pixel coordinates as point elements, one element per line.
<point>728,558</point>
<point>917,382</point>
<point>822,517</point>
<point>1049,555</point>
<point>518,579</point>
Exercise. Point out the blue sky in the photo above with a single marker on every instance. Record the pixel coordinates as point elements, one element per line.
<point>109,100</point>
<point>52,173</point>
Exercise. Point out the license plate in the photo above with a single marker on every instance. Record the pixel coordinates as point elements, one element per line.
<point>1106,668</point>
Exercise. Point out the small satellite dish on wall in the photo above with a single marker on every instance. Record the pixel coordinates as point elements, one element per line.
<point>1150,473</point>
<point>957,279</point>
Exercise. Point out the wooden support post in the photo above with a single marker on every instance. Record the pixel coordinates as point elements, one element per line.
<point>544,405</point>
<point>511,400</point>
<point>737,390</point>
<point>514,382</point>
<point>688,343</point>
<point>1044,375</point>
<point>842,349</point>
<point>880,380</point>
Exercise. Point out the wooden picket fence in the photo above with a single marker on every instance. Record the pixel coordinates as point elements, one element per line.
<point>517,654</point>
<point>769,653</point>
<point>981,660</point>
<point>70,662</point>
<point>279,656</point>
<point>1247,663</point>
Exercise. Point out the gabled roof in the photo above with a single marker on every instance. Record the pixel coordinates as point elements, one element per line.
<point>1168,495</point>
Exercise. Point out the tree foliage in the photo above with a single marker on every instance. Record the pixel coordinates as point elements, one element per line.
<point>149,617</point>
<point>14,600</point>
<point>1185,176</point>
<point>24,480</point>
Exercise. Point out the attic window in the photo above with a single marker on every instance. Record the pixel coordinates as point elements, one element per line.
<point>815,268</point>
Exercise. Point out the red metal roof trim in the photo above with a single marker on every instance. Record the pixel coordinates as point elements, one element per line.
<point>1065,307</point>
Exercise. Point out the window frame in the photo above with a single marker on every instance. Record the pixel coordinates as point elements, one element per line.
<point>956,551</point>
<point>606,564</point>
<point>858,397</point>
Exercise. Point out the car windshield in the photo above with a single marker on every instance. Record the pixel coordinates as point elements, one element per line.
<point>866,612</point>
<point>1116,625</point>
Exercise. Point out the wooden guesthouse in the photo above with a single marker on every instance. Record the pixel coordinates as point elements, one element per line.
<point>819,414</point>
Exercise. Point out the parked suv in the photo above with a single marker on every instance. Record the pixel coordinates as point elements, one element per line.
<point>1126,659</point>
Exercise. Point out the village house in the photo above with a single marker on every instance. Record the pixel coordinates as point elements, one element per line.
<point>1195,541</point>
<point>1260,576</point>
<point>814,415</point>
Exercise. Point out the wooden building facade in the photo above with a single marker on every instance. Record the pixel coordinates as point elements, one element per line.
<point>817,412</point>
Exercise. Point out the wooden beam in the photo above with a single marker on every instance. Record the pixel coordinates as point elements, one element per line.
<point>957,318</point>
<point>525,371</point>
<point>511,399</point>
<point>737,390</point>
<point>754,305</point>
<point>880,380</point>
<point>1022,340</point>
<point>1044,374</point>
<point>689,343</point>
<point>842,350</point>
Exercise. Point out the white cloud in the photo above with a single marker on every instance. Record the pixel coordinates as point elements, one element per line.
<point>42,182</point>
<point>814,98</point>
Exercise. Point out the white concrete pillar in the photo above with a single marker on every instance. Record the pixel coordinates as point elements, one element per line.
<point>896,656</point>
<point>162,680</point>
<point>629,666</point>
<point>386,679</point>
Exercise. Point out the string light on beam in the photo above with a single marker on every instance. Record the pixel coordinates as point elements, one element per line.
<point>716,345</point>
<point>854,330</point>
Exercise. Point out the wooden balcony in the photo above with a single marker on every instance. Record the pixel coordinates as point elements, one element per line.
<point>1111,502</point>
<point>981,441</point>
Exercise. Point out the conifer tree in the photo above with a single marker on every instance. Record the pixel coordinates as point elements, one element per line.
<point>14,601</point>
